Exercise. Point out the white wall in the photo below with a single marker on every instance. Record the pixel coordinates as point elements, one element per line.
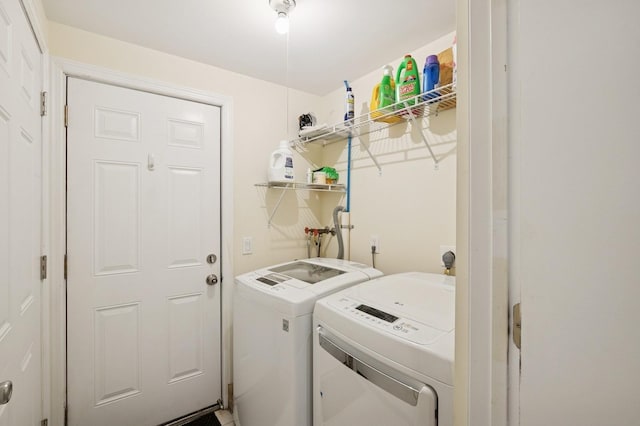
<point>410,206</point>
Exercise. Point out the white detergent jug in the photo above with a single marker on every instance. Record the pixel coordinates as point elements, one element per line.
<point>281,164</point>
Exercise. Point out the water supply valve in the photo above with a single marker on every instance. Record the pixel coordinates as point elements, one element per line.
<point>449,259</point>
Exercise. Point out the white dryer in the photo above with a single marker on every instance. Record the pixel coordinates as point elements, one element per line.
<point>383,353</point>
<point>272,349</point>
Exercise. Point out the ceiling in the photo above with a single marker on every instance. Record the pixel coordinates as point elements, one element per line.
<point>329,40</point>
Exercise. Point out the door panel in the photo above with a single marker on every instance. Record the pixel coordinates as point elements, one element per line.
<point>143,214</point>
<point>20,216</point>
<point>576,213</point>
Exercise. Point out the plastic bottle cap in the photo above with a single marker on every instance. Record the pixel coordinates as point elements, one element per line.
<point>284,144</point>
<point>407,56</point>
<point>432,59</point>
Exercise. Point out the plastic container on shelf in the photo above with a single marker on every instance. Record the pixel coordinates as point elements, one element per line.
<point>383,96</point>
<point>407,81</point>
<point>430,77</point>
<point>455,60</point>
<point>349,113</point>
<point>281,164</point>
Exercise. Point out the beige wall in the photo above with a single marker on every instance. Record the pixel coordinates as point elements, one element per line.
<point>410,206</point>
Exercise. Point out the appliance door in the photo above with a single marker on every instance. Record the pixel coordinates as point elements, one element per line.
<point>351,388</point>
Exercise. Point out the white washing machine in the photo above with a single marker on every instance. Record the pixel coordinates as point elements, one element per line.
<point>383,353</point>
<point>272,350</point>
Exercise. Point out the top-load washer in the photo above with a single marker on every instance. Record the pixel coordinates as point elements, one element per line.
<point>272,349</point>
<point>383,353</point>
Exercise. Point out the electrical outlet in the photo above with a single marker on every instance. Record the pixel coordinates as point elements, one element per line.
<point>443,250</point>
<point>374,240</point>
<point>247,245</point>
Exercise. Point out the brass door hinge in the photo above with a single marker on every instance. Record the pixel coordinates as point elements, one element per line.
<point>517,325</point>
<point>43,104</point>
<point>66,116</point>
<point>43,267</point>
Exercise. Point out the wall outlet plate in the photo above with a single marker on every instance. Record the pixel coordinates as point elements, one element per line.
<point>247,245</point>
<point>443,250</point>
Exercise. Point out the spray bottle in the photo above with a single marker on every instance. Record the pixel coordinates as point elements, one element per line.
<point>349,113</point>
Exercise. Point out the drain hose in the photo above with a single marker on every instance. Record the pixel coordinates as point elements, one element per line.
<point>336,224</point>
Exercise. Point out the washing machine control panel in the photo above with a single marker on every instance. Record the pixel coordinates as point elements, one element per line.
<point>404,327</point>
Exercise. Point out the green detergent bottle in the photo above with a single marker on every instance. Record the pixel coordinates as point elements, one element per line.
<point>407,81</point>
<point>387,87</point>
<point>383,98</point>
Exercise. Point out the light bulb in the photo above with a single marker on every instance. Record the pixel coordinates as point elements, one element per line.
<point>282,23</point>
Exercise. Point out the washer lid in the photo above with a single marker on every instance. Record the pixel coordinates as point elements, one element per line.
<point>309,273</point>
<point>293,287</point>
<point>428,299</point>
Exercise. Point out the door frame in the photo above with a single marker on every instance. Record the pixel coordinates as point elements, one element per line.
<point>481,395</point>
<point>60,70</point>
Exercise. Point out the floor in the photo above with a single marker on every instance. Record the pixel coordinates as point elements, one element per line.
<point>218,418</point>
<point>225,418</point>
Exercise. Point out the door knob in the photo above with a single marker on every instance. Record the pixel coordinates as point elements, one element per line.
<point>212,279</point>
<point>6,389</point>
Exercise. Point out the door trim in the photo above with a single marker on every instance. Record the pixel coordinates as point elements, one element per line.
<point>60,70</point>
<point>482,226</point>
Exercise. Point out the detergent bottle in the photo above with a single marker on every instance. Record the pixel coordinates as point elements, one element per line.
<point>431,77</point>
<point>387,88</point>
<point>349,108</point>
<point>383,97</point>
<point>407,81</point>
<point>281,164</point>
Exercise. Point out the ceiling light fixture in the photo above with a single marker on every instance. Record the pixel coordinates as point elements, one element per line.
<point>282,8</point>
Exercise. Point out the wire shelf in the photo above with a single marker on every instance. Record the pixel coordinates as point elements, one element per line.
<point>336,187</point>
<point>424,105</point>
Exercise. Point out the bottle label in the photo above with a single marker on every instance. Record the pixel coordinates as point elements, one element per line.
<point>407,89</point>
<point>288,167</point>
<point>288,173</point>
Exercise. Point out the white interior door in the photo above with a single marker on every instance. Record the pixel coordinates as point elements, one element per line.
<point>576,211</point>
<point>143,212</point>
<point>20,216</point>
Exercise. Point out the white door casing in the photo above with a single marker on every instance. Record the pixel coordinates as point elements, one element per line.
<point>20,216</point>
<point>143,214</point>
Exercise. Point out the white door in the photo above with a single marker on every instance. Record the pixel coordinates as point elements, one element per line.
<point>20,216</point>
<point>577,211</point>
<point>143,213</point>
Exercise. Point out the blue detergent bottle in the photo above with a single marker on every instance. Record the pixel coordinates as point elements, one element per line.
<point>430,77</point>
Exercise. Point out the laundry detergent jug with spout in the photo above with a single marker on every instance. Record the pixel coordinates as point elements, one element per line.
<point>407,81</point>
<point>281,164</point>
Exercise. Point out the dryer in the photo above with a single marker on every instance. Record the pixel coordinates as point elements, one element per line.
<point>383,353</point>
<point>272,349</point>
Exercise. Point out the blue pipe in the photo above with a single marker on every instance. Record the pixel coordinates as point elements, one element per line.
<point>348,209</point>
